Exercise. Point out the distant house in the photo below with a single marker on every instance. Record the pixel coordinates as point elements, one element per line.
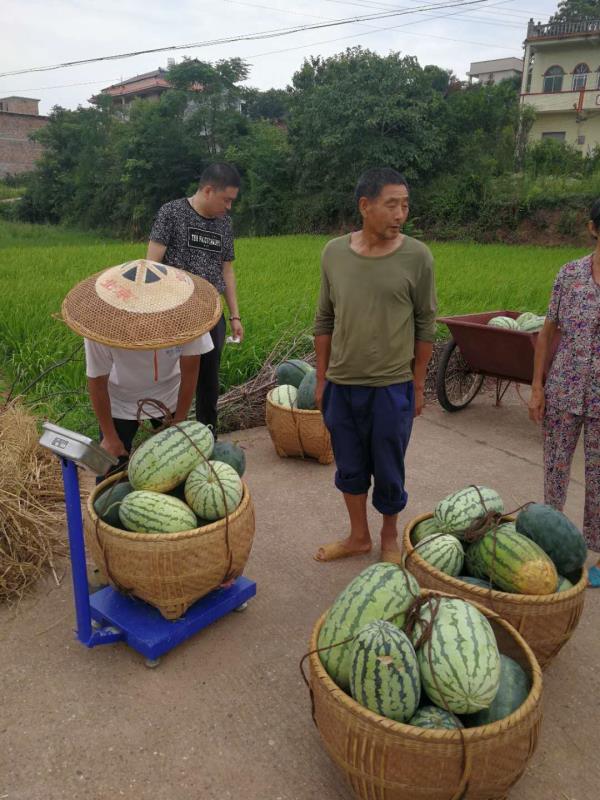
<point>149,86</point>
<point>496,70</point>
<point>561,81</point>
<point>19,118</point>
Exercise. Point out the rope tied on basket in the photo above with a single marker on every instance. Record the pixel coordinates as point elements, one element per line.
<point>167,422</point>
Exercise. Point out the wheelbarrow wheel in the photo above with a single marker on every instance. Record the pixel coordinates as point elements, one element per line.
<point>456,384</point>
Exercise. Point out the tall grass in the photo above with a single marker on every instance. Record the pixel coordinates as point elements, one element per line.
<point>278,281</point>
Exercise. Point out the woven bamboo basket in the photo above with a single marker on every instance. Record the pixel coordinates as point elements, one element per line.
<point>545,621</point>
<point>173,570</point>
<point>297,432</point>
<point>387,760</point>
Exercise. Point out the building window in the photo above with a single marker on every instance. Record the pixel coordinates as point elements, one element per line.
<point>580,74</point>
<point>558,135</point>
<point>1,106</point>
<point>581,139</point>
<point>553,79</point>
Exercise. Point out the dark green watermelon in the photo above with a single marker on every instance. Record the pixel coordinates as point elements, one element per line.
<point>292,372</point>
<point>555,534</point>
<point>512,693</point>
<point>306,399</point>
<point>232,454</point>
<point>106,505</point>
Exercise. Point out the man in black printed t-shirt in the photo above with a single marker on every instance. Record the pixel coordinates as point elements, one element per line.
<point>196,234</point>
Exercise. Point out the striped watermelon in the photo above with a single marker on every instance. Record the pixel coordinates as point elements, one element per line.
<point>153,512</point>
<point>564,584</point>
<point>434,717</point>
<point>443,551</point>
<point>384,672</point>
<point>460,663</point>
<point>285,395</point>
<point>460,509</point>
<point>381,591</point>
<point>512,562</point>
<point>213,490</point>
<point>503,322</point>
<point>168,457</point>
<point>292,372</point>
<point>512,693</point>
<point>423,529</point>
<point>529,322</point>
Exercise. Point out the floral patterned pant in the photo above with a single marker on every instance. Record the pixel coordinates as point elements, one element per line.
<point>561,432</point>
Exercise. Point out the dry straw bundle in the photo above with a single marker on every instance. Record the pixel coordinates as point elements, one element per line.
<point>31,505</point>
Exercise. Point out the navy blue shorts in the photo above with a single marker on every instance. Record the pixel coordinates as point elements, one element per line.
<point>370,429</point>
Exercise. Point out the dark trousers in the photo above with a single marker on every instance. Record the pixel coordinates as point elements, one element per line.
<point>207,389</point>
<point>370,429</point>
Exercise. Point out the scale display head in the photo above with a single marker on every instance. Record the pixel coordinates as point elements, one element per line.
<point>76,447</point>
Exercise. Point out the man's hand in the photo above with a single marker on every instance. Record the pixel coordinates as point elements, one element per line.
<point>237,329</point>
<point>114,446</point>
<point>419,401</point>
<point>320,388</point>
<point>537,404</point>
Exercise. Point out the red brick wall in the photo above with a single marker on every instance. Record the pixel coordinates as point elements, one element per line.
<point>17,152</point>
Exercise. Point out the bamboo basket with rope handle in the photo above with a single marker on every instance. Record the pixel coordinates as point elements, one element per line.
<point>298,432</point>
<point>546,622</point>
<point>170,571</point>
<point>387,760</point>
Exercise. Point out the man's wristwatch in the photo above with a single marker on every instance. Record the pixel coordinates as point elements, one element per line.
<point>239,319</point>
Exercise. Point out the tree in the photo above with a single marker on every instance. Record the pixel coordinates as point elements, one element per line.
<point>574,10</point>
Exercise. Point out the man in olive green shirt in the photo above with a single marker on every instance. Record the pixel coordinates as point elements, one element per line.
<point>374,333</point>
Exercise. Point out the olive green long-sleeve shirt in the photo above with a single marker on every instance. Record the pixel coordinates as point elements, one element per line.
<point>375,308</point>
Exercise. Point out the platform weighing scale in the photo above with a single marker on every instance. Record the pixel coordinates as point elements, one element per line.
<point>107,616</point>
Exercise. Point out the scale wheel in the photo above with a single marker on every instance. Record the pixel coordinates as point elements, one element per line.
<point>241,608</point>
<point>152,663</point>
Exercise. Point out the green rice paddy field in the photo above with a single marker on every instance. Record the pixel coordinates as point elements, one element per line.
<point>278,280</point>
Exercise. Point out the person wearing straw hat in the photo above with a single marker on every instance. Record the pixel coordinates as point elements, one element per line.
<point>195,233</point>
<point>145,327</point>
<point>374,333</point>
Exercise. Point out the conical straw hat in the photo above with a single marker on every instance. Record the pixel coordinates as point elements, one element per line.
<point>142,305</point>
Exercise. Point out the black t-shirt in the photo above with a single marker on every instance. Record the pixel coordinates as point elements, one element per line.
<point>194,243</point>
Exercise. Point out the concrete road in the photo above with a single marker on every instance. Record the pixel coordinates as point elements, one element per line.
<point>226,715</point>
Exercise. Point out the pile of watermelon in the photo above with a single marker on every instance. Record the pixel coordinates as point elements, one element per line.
<point>178,480</point>
<point>542,552</point>
<point>454,678</point>
<point>296,385</point>
<point>528,322</point>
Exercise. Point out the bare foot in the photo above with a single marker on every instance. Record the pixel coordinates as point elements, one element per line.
<point>344,548</point>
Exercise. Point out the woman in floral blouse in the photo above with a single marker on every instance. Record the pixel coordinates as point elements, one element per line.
<point>570,398</point>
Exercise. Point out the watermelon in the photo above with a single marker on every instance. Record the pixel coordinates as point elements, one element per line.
<point>382,591</point>
<point>384,672</point>
<point>456,512</point>
<point>292,372</point>
<point>424,528</point>
<point>434,717</point>
<point>306,392</point>
<point>284,395</point>
<point>531,324</point>
<point>474,581</point>
<point>564,584</point>
<point>213,490</point>
<point>525,319</point>
<point>232,454</point>
<point>460,662</point>
<point>153,512</point>
<point>168,457</point>
<point>555,534</point>
<point>503,322</point>
<point>512,561</point>
<point>512,693</point>
<point>443,551</point>
<point>106,505</point>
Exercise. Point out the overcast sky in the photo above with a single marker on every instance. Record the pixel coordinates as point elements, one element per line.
<point>40,33</point>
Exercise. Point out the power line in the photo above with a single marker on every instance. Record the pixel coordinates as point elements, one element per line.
<point>270,34</point>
